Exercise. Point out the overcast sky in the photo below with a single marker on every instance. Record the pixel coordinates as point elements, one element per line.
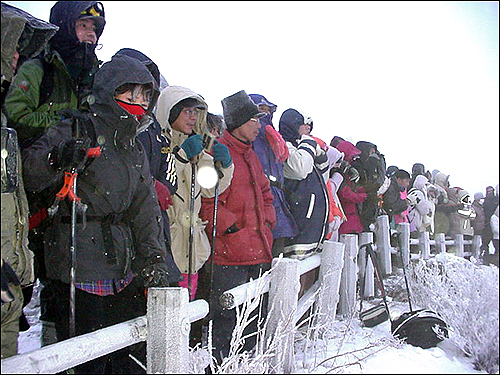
<point>419,79</point>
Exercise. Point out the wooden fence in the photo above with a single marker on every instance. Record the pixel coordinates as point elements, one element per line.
<point>166,326</point>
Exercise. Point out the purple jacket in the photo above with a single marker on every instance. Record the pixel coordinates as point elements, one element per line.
<point>285,223</point>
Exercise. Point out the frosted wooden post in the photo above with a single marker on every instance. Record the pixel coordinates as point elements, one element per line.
<point>364,238</point>
<point>168,331</point>
<point>424,245</point>
<point>383,240</point>
<point>476,246</point>
<point>404,242</point>
<point>332,261</point>
<point>440,243</point>
<point>459,245</point>
<point>347,302</point>
<point>284,289</point>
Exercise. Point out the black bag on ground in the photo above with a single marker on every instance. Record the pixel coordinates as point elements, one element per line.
<point>423,328</point>
<point>374,316</point>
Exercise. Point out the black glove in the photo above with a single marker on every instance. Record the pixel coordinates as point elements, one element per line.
<point>8,276</point>
<point>69,154</point>
<point>155,274</point>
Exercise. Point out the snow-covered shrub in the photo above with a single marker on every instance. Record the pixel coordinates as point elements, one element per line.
<point>466,296</point>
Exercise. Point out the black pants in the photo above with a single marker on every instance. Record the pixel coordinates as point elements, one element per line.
<point>93,312</point>
<point>224,321</point>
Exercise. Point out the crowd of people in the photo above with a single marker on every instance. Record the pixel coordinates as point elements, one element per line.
<point>103,196</point>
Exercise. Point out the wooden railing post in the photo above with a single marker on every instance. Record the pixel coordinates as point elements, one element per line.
<point>440,243</point>
<point>332,261</point>
<point>284,289</point>
<point>476,246</point>
<point>404,242</point>
<point>459,245</point>
<point>168,331</point>
<point>424,245</point>
<point>364,238</point>
<point>347,303</point>
<point>383,240</point>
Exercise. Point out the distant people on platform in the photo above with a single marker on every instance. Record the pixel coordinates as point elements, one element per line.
<point>460,219</point>
<point>478,223</point>
<point>395,202</point>
<point>490,204</point>
<point>351,193</point>
<point>421,211</point>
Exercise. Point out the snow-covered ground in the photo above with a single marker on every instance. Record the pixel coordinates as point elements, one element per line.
<point>372,350</point>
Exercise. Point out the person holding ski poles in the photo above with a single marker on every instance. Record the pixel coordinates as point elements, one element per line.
<point>246,217</point>
<point>182,115</point>
<point>59,78</point>
<point>120,246</point>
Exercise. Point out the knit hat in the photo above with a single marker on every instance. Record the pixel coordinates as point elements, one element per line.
<point>478,196</point>
<point>238,109</point>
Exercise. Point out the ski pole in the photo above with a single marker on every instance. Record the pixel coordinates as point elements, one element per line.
<point>191,226</point>
<point>214,231</point>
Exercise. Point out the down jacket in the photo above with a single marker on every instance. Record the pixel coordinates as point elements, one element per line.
<point>246,203</point>
<point>123,216</point>
<point>179,213</point>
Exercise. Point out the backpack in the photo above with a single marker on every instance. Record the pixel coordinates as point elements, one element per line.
<point>371,166</point>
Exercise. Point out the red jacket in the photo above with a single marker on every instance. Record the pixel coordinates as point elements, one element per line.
<point>349,199</point>
<point>248,203</point>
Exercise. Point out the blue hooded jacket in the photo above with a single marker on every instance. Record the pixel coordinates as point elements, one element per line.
<point>285,224</point>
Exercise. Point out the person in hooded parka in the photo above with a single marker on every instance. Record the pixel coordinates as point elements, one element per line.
<point>120,247</point>
<point>23,36</point>
<point>182,115</point>
<point>272,152</point>
<point>57,80</point>
<point>305,188</point>
<point>161,163</point>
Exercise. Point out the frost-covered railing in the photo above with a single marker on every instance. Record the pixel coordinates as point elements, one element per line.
<point>384,249</point>
<point>165,328</point>
<point>282,283</point>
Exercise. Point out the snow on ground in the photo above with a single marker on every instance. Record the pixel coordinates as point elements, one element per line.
<point>384,357</point>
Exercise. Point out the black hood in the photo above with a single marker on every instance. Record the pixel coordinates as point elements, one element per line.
<point>153,68</point>
<point>65,14</point>
<point>113,74</point>
<point>365,148</point>
<point>289,125</point>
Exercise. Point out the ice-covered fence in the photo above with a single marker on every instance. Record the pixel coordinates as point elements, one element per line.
<point>165,328</point>
<point>283,284</point>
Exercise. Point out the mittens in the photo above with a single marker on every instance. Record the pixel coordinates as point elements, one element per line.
<point>155,274</point>
<point>221,153</point>
<point>192,146</point>
<point>277,143</point>
<point>163,196</point>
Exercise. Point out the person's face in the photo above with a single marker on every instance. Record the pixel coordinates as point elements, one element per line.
<point>490,192</point>
<point>265,108</point>
<point>15,60</point>
<point>85,31</point>
<point>304,129</point>
<point>404,182</point>
<point>139,97</point>
<point>248,131</point>
<point>186,120</point>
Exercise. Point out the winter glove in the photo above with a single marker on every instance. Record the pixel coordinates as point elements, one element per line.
<point>8,276</point>
<point>71,154</point>
<point>155,274</point>
<point>221,153</point>
<point>320,143</point>
<point>192,146</point>
<point>277,143</point>
<point>163,196</point>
